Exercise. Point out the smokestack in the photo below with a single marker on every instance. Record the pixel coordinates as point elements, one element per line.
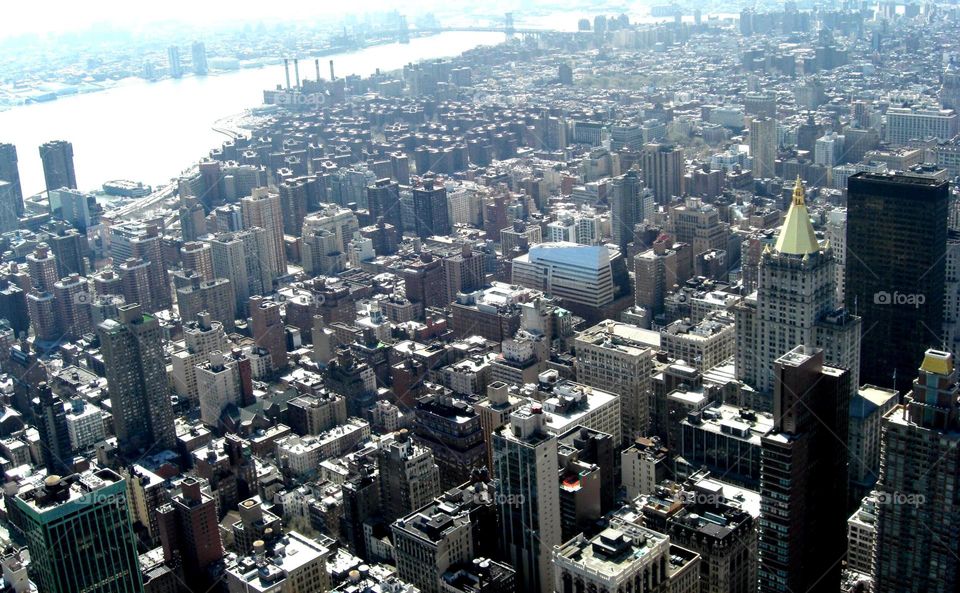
<point>316,64</point>
<point>332,77</point>
<point>296,70</point>
<point>286,70</point>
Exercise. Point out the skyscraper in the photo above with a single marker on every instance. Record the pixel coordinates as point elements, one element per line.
<point>262,209</point>
<point>626,207</point>
<point>198,52</point>
<point>896,269</point>
<point>430,209</point>
<point>918,493</point>
<point>803,477</point>
<point>525,464</point>
<point>54,442</point>
<point>79,533</point>
<point>409,477</point>
<point>383,199</point>
<point>763,146</point>
<point>190,534</point>
<point>132,349</point>
<point>663,170</point>
<point>795,303</point>
<point>269,331</point>
<point>58,171</point>
<point>10,172</point>
<point>173,62</point>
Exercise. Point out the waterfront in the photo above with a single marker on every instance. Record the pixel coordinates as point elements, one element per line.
<point>150,132</point>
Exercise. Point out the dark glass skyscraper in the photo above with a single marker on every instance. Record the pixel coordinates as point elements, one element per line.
<point>895,270</point>
<point>803,476</point>
<point>79,533</point>
<point>10,172</point>
<point>430,209</point>
<point>58,171</point>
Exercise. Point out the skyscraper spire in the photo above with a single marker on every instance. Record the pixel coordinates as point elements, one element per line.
<point>796,234</point>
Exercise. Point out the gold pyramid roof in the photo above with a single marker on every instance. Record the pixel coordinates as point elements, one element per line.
<point>796,234</point>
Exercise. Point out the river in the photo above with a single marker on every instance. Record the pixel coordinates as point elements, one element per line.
<point>151,131</point>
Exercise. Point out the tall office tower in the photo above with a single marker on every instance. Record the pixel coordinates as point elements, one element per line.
<point>896,270</point>
<point>71,521</point>
<point>463,272</point>
<point>409,476</point>
<point>132,348</point>
<point>72,295</point>
<point>193,221</point>
<point>174,64</point>
<point>269,332</point>
<point>383,199</point>
<point>698,224</point>
<point>69,246</point>
<point>322,254</point>
<point>430,209</point>
<point>8,209</point>
<point>294,204</point>
<point>10,172</point>
<point>135,280</point>
<point>58,171</point>
<point>213,296</point>
<point>42,308</point>
<point>626,207</point>
<point>190,533</point>
<point>867,409</point>
<point>237,257</point>
<point>198,52</point>
<point>663,170</point>
<point>55,450</point>
<point>803,479</point>
<point>262,209</point>
<point>795,303</point>
<point>148,247</point>
<point>526,467</point>
<point>198,257</point>
<point>451,429</point>
<point>658,270</point>
<point>42,266</point>
<point>918,493</point>
<point>763,146</point>
<point>75,207</point>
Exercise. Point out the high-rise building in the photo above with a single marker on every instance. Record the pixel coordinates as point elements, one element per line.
<point>763,146</point>
<point>133,356</point>
<point>198,52</point>
<point>79,533</point>
<point>215,297</point>
<point>173,62</point>
<point>8,209</point>
<point>630,203</point>
<point>615,357</point>
<point>58,171</point>
<point>269,331</point>
<point>918,494</point>
<point>803,480</point>
<point>237,257</point>
<point>10,172</point>
<point>526,466</point>
<point>42,266</point>
<point>294,204</point>
<point>190,533</point>
<point>663,170</point>
<point>72,295</point>
<point>409,477</point>
<point>383,199</point>
<point>895,265</point>
<point>464,272</point>
<point>262,209</point>
<point>432,217</point>
<point>198,256</point>
<point>55,450</point>
<point>795,303</point>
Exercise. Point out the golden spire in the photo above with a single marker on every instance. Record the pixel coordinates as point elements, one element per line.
<point>796,234</point>
<point>798,193</point>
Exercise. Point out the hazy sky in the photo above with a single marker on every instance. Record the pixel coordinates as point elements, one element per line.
<point>46,16</point>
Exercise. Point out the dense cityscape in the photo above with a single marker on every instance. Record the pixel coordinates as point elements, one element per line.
<point>660,299</point>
